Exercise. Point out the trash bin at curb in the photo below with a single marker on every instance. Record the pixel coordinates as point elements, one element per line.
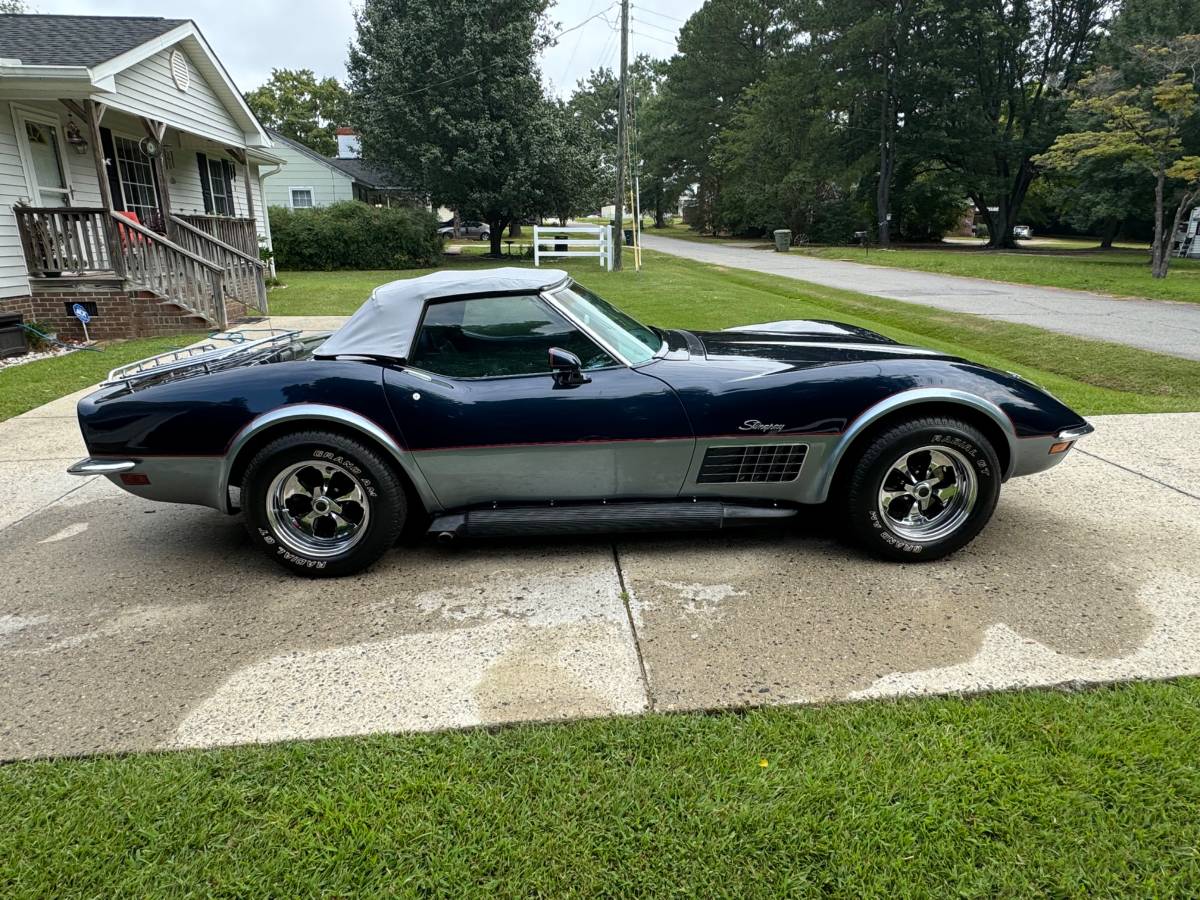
<point>783,240</point>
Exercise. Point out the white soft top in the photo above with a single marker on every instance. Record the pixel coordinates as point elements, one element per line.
<point>387,322</point>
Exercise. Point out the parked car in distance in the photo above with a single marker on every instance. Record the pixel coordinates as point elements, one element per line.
<point>1022,232</point>
<point>467,229</point>
<point>516,401</point>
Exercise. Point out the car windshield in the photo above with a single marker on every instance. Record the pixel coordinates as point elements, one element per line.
<point>625,334</point>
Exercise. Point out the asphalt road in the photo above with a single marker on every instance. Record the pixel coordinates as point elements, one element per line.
<point>130,625</point>
<point>1158,325</point>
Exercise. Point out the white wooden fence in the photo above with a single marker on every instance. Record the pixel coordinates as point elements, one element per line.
<point>578,240</point>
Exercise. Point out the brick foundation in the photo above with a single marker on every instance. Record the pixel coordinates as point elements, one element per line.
<point>120,312</point>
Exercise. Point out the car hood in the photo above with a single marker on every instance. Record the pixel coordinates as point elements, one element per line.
<point>807,341</point>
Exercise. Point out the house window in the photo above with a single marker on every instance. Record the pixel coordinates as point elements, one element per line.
<point>302,198</point>
<point>137,180</point>
<point>216,183</point>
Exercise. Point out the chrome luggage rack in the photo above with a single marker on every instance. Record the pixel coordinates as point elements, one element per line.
<point>243,350</point>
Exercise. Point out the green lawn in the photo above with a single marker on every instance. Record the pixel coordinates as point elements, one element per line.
<point>1009,795</point>
<point>1093,377</point>
<point>1123,273</point>
<point>27,386</point>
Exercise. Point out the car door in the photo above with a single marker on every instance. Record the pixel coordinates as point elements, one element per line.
<point>487,422</point>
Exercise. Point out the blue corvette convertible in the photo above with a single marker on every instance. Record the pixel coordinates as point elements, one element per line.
<point>515,401</point>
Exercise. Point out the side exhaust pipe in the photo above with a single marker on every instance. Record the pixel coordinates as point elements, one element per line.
<point>594,518</point>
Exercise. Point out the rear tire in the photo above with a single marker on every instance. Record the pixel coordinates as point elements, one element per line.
<point>322,505</point>
<point>922,489</point>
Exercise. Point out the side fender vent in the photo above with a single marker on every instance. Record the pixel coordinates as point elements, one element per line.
<point>759,463</point>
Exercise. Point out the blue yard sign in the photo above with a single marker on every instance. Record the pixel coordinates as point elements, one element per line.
<point>82,315</point>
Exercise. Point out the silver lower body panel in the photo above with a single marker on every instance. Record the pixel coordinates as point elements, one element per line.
<point>169,479</point>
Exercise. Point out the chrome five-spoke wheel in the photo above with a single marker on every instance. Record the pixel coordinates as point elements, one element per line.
<point>317,508</point>
<point>928,493</point>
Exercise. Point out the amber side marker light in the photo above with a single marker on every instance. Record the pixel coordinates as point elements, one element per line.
<point>143,478</point>
<point>1060,447</point>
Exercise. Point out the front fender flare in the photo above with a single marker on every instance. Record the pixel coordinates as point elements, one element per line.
<point>823,480</point>
<point>312,413</point>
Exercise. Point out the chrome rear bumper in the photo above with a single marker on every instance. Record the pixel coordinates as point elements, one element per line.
<point>91,466</point>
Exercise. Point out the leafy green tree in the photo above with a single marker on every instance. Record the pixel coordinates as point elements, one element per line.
<point>875,48</point>
<point>299,106</point>
<point>594,105</point>
<point>447,93</point>
<point>1141,125</point>
<point>570,179</point>
<point>724,49</point>
<point>995,93</point>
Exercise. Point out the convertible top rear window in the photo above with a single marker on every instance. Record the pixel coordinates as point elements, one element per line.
<point>625,334</point>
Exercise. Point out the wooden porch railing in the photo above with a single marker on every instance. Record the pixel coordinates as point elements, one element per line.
<point>152,262</point>
<point>241,234</point>
<point>194,269</point>
<point>243,272</point>
<point>72,239</point>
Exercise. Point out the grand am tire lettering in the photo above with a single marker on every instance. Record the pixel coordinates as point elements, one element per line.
<point>322,504</point>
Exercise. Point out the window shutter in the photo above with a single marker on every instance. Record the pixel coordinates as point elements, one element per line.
<point>205,186</point>
<point>227,170</point>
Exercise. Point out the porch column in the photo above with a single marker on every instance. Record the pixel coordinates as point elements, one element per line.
<point>158,131</point>
<point>241,157</point>
<point>95,111</point>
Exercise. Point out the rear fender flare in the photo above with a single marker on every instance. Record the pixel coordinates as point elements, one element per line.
<point>824,477</point>
<point>311,415</point>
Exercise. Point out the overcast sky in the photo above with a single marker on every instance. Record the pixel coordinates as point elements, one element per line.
<point>253,36</point>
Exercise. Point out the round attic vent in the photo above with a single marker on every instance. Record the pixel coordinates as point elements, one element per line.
<point>180,73</point>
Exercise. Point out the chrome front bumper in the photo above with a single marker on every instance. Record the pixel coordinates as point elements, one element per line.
<point>1074,434</point>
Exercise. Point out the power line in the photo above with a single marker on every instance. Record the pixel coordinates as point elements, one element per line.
<point>660,15</point>
<point>651,37</point>
<point>491,65</point>
<point>588,19</point>
<point>670,31</point>
<point>578,41</point>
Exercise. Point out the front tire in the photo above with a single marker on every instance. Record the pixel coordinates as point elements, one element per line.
<point>322,505</point>
<point>922,489</point>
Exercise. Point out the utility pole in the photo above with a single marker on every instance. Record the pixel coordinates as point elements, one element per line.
<point>622,154</point>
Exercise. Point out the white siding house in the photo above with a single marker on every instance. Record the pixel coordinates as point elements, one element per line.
<point>129,166</point>
<point>308,179</point>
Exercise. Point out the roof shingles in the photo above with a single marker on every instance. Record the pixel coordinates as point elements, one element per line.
<point>76,40</point>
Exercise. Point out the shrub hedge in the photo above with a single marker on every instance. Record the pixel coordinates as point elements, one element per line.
<point>354,235</point>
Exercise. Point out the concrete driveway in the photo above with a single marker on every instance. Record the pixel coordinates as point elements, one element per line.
<point>1159,325</point>
<point>126,625</point>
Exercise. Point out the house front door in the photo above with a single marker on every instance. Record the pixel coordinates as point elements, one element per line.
<point>46,172</point>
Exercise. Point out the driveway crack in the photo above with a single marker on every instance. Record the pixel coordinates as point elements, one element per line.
<point>637,640</point>
<point>1139,474</point>
<point>34,512</point>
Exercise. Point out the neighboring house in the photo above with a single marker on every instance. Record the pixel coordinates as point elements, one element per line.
<point>1187,238</point>
<point>129,177</point>
<point>315,180</point>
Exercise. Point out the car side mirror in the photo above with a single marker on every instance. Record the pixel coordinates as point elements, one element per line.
<point>567,369</point>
